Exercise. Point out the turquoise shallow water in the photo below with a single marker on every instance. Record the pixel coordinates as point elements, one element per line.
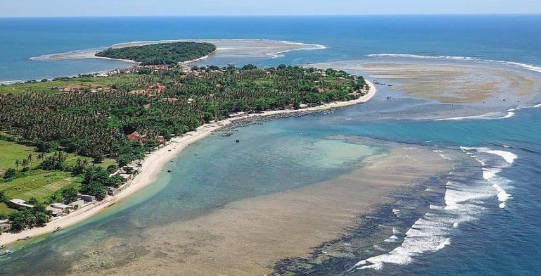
<point>294,152</point>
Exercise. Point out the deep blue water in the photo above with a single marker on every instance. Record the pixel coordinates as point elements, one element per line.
<point>509,38</point>
<point>499,241</point>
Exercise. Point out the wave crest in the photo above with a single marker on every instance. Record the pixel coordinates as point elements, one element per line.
<point>508,63</point>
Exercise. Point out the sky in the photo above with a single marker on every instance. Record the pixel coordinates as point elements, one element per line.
<point>54,8</point>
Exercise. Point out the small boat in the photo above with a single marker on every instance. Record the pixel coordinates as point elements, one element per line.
<point>57,229</point>
<point>238,141</point>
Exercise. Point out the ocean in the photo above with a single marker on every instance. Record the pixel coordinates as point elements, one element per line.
<point>484,221</point>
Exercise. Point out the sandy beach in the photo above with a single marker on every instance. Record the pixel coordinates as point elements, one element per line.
<point>153,164</point>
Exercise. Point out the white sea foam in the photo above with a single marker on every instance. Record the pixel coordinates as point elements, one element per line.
<point>10,82</point>
<point>432,232</point>
<point>491,173</point>
<point>422,57</point>
<point>426,235</point>
<point>464,202</point>
<point>508,63</point>
<point>487,116</point>
<point>509,157</point>
<point>392,239</point>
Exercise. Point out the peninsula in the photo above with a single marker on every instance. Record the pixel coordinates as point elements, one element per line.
<point>105,137</point>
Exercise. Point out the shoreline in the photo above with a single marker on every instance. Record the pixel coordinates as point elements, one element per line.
<point>153,164</point>
<point>91,53</point>
<point>277,227</point>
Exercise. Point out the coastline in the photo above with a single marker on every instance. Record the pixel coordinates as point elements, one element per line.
<point>274,228</point>
<point>153,164</point>
<point>271,48</point>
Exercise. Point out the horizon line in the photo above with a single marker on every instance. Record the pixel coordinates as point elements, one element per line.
<point>277,15</point>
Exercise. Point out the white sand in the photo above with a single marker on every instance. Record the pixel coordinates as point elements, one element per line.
<point>153,164</point>
<point>236,48</point>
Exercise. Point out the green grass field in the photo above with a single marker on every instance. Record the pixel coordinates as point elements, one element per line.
<point>9,152</point>
<point>5,210</point>
<point>90,82</point>
<point>38,184</point>
<point>35,183</point>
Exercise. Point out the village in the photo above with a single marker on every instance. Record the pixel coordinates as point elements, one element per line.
<point>83,202</point>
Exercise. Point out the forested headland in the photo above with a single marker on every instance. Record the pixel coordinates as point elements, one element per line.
<point>161,54</point>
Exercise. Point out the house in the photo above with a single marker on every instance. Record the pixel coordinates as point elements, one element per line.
<point>54,212</point>
<point>238,114</point>
<point>5,225</point>
<point>19,204</point>
<point>63,208</point>
<point>158,87</point>
<point>87,198</point>
<point>77,204</point>
<point>137,137</point>
<point>126,177</point>
<point>171,100</point>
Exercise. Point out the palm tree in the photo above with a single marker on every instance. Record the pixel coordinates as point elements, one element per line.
<point>30,157</point>
<point>25,163</point>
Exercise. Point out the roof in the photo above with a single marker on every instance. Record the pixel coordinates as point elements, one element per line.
<point>21,202</point>
<point>60,205</point>
<point>18,201</point>
<point>135,136</point>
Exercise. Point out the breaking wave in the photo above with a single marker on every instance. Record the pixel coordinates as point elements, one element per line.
<point>488,116</point>
<point>508,63</point>
<point>464,201</point>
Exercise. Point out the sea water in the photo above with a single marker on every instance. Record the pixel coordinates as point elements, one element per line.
<point>484,225</point>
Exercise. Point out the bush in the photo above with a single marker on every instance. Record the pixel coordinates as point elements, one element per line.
<point>112,168</point>
<point>10,173</point>
<point>69,195</point>
<point>3,197</point>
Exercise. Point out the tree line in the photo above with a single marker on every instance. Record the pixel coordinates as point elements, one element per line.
<point>161,54</point>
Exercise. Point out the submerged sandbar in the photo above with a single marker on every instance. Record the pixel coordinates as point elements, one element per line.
<point>248,236</point>
<point>226,48</point>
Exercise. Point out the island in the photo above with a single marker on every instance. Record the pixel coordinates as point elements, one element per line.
<point>161,54</point>
<point>73,142</point>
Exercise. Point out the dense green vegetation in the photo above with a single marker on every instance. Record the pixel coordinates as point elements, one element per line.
<point>85,82</point>
<point>161,54</point>
<point>71,138</point>
<point>30,175</point>
<point>173,102</point>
